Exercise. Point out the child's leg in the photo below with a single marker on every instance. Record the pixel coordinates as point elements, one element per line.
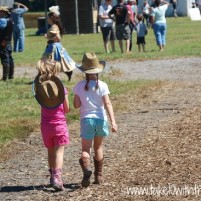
<point>98,148</point>
<point>139,48</point>
<point>55,157</point>
<point>86,147</point>
<point>85,162</point>
<point>98,159</point>
<point>143,46</point>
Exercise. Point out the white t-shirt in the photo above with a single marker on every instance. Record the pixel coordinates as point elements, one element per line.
<point>159,14</point>
<point>104,10</point>
<point>92,105</point>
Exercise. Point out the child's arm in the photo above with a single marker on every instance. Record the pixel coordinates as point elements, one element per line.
<point>109,109</point>
<point>76,102</point>
<point>66,104</point>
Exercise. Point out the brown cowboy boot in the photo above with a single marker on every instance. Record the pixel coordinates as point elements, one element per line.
<point>85,164</point>
<point>98,171</point>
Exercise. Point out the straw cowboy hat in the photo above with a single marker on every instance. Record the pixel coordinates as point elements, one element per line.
<point>49,93</point>
<point>91,64</point>
<point>4,8</point>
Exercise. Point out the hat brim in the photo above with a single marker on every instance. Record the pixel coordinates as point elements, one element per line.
<point>94,69</point>
<point>4,9</point>
<point>43,100</point>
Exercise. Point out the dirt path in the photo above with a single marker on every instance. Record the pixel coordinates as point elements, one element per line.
<point>158,143</point>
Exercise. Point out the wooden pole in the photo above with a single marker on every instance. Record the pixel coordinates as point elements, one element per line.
<point>77,17</point>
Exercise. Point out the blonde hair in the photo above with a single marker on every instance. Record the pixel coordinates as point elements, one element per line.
<point>47,68</point>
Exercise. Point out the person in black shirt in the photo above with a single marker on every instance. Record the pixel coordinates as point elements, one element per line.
<point>5,44</point>
<point>121,16</point>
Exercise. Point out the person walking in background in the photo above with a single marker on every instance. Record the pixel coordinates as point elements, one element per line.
<point>18,26</point>
<point>6,30</point>
<point>54,48</point>
<point>146,12</point>
<point>106,25</point>
<point>174,6</point>
<point>158,22</point>
<point>121,16</point>
<point>141,32</point>
<point>53,98</point>
<point>132,21</point>
<point>91,96</point>
<point>134,10</point>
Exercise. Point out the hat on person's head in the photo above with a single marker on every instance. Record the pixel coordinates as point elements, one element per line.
<point>91,64</point>
<point>54,9</point>
<point>49,93</point>
<point>4,8</point>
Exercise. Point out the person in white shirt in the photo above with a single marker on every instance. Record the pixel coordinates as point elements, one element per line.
<point>106,25</point>
<point>158,22</point>
<point>146,12</point>
<point>92,98</point>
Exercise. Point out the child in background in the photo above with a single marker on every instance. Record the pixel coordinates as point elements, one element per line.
<point>91,96</point>
<point>141,30</point>
<point>53,98</point>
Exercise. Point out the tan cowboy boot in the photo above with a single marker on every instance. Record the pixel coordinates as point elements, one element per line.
<point>98,171</point>
<point>85,164</point>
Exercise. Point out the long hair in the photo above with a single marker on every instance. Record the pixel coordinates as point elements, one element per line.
<point>87,83</point>
<point>56,20</point>
<point>47,68</point>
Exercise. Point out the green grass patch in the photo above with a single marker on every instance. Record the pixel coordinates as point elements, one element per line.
<point>20,113</point>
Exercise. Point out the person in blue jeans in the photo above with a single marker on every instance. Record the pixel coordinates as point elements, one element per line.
<point>158,22</point>
<point>18,26</point>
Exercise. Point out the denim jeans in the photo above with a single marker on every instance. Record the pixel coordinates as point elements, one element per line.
<point>160,33</point>
<point>18,38</point>
<point>6,54</point>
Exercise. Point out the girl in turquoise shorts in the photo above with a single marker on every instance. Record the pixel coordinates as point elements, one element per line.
<point>91,97</point>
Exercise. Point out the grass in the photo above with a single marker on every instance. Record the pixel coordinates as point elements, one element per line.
<point>182,40</point>
<point>20,113</point>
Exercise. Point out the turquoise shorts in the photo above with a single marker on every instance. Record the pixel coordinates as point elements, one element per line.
<point>91,127</point>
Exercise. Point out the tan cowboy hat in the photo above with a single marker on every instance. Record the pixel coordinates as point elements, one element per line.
<point>91,64</point>
<point>4,8</point>
<point>49,93</point>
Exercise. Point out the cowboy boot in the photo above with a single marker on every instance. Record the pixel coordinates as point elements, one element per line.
<point>98,171</point>
<point>56,179</point>
<point>85,164</point>
<point>11,72</point>
<point>69,74</point>
<point>5,72</point>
